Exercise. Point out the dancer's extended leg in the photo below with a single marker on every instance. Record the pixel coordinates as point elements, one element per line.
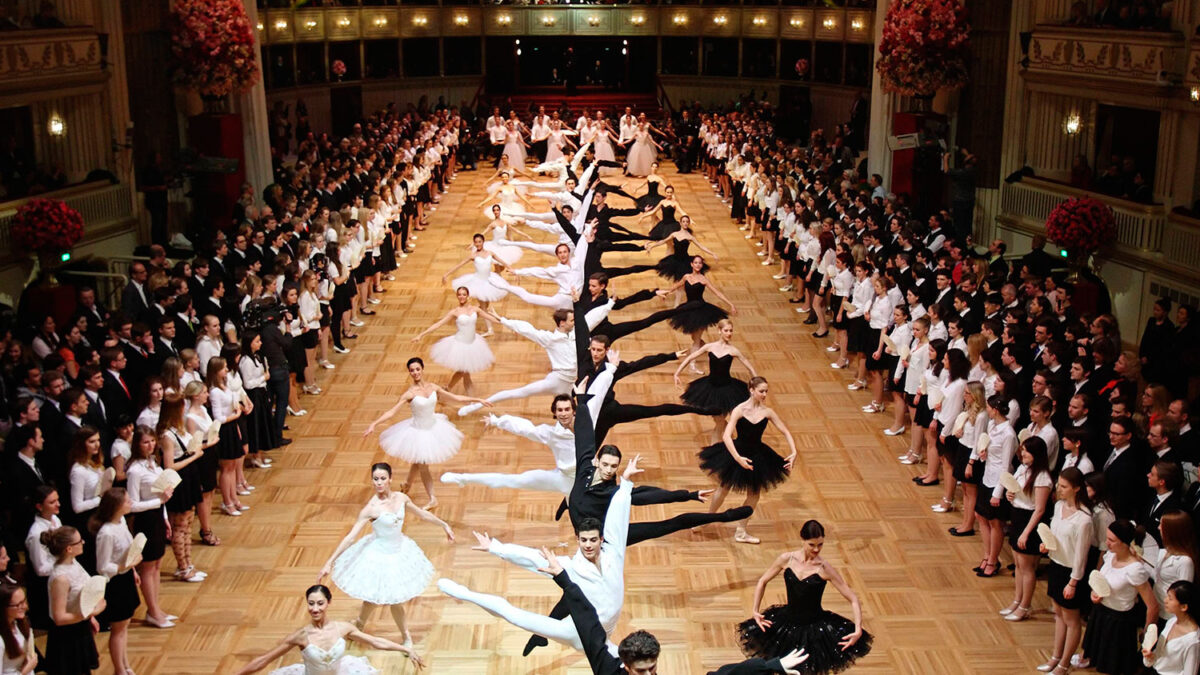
<point>559,630</point>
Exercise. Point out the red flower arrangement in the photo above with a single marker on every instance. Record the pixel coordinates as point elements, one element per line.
<point>213,45</point>
<point>338,67</point>
<point>1081,225</point>
<point>46,226</point>
<point>924,47</point>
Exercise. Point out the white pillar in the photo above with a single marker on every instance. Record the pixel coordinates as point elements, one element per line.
<point>252,105</point>
<point>879,157</point>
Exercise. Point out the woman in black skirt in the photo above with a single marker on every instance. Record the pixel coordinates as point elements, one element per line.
<point>173,438</point>
<point>968,427</point>
<point>70,645</point>
<point>1029,508</point>
<point>1110,641</point>
<point>858,328</point>
<point>1072,529</point>
<point>113,540</point>
<point>149,519</point>
<point>226,411</point>
<point>253,369</point>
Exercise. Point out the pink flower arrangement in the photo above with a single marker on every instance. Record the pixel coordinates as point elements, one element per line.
<point>213,45</point>
<point>1081,225</point>
<point>338,67</point>
<point>46,226</point>
<point>924,47</point>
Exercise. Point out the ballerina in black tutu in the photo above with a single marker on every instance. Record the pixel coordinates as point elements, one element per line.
<point>653,183</point>
<point>746,464</point>
<point>679,263</point>
<point>832,641</point>
<point>717,391</point>
<point>699,314</point>
<point>669,212</point>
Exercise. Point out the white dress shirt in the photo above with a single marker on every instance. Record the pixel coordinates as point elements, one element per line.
<point>84,480</point>
<point>112,544</point>
<point>1180,656</point>
<point>1074,536</point>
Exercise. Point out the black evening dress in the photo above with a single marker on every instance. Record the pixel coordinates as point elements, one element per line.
<point>803,623</point>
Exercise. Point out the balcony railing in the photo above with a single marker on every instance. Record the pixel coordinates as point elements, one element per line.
<point>49,56</point>
<point>1140,227</point>
<point>1152,58</point>
<point>101,204</point>
<point>1181,241</point>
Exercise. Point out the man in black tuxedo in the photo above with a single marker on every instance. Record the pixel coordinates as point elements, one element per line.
<point>97,415</point>
<point>23,473</point>
<point>687,130</point>
<point>116,394</point>
<point>1166,480</point>
<point>96,314</point>
<point>183,316</point>
<point>164,297</point>
<point>1187,440</point>
<point>164,342</point>
<point>1125,465</point>
<point>134,299</point>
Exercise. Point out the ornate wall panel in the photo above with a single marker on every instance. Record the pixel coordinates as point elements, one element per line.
<point>1135,57</point>
<point>46,55</point>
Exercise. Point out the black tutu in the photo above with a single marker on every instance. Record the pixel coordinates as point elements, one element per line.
<point>120,599</point>
<point>662,229</point>
<point>768,471</point>
<point>258,428</point>
<point>1057,580</point>
<point>187,494</point>
<point>716,391</point>
<point>1110,640</point>
<point>794,626</point>
<point>152,524</point>
<point>700,316</point>
<point>70,650</point>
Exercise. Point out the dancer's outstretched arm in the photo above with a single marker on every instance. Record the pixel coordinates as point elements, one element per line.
<point>421,513</point>
<point>443,392</point>
<point>771,415</point>
<point>364,519</point>
<point>521,556</point>
<point>437,324</point>
<point>296,640</point>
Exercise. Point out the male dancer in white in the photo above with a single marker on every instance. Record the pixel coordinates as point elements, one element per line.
<point>598,568</point>
<point>560,347</point>
<point>568,274</point>
<point>560,438</point>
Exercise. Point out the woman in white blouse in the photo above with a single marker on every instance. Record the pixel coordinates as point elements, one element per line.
<point>87,470</point>
<point>841,286</point>
<point>155,390</point>
<point>913,370</point>
<point>209,343</point>
<point>879,362</point>
<point>991,509</point>
<point>232,354</point>
<point>226,410</point>
<point>40,561</point>
<point>901,337</point>
<point>19,658</point>
<point>253,370</point>
<point>113,540</point>
<point>1176,559</point>
<point>955,368</point>
<point>1029,506</point>
<point>1073,440</point>
<point>1112,629</point>
<point>858,325</point>
<point>310,327</point>
<point>1040,410</point>
<point>174,439</point>
<point>1178,649</point>
<point>118,452</point>
<point>149,519</point>
<point>1072,529</point>
<point>968,427</point>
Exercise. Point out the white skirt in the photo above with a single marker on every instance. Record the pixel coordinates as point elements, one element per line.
<point>381,573</point>
<point>462,357</point>
<point>347,665</point>
<point>481,288</point>
<point>509,255</point>
<point>415,445</point>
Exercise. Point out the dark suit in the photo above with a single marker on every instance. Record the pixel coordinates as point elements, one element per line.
<point>118,399</point>
<point>1125,480</point>
<point>1153,511</point>
<point>132,302</point>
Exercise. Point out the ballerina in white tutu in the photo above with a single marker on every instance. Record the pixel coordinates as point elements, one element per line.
<point>385,567</point>
<point>427,437</point>
<point>500,248</point>
<point>322,644</point>
<point>479,283</point>
<point>464,352</point>
<point>506,195</point>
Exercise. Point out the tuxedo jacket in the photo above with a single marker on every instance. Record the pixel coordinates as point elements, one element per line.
<point>1153,511</point>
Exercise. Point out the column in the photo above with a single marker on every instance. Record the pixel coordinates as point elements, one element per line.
<point>883,104</point>
<point>116,91</point>
<point>252,105</point>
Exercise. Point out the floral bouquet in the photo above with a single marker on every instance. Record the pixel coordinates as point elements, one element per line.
<point>338,67</point>
<point>46,226</point>
<point>924,47</point>
<point>1081,225</point>
<point>213,45</point>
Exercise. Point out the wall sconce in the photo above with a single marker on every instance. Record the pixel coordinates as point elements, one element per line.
<point>720,19</point>
<point>56,127</point>
<point>548,20</point>
<point>593,20</point>
<point>856,24</point>
<point>1194,94</point>
<point>637,20</point>
<point>260,25</point>
<point>343,22</point>
<point>420,21</point>
<point>380,22</point>
<point>679,19</point>
<point>796,22</point>
<point>310,24</point>
<point>759,21</point>
<point>461,19</point>
<point>281,24</point>
<point>504,19</point>
<point>1072,124</point>
<point>829,23</point>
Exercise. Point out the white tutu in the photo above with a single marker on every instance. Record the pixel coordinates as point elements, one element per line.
<point>509,255</point>
<point>425,438</point>
<point>385,567</point>
<point>317,661</point>
<point>462,357</point>
<point>479,283</point>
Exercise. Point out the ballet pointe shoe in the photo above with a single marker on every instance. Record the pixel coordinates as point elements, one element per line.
<point>433,502</point>
<point>743,537</point>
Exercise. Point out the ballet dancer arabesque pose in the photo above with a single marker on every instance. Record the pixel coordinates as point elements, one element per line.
<point>464,352</point>
<point>322,644</point>
<point>599,565</point>
<point>385,567</point>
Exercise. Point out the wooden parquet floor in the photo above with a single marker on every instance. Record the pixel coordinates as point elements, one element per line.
<point>927,610</point>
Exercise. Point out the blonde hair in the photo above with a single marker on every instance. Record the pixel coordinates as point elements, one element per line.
<point>724,322</point>
<point>194,389</point>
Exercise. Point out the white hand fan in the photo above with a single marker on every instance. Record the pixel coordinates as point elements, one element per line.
<point>195,443</point>
<point>983,442</point>
<point>849,306</point>
<point>1099,584</point>
<point>889,343</point>
<point>1009,482</point>
<point>1047,536</point>
<point>1150,638</point>
<point>167,480</point>
<point>106,481</point>
<point>213,432</point>
<point>936,397</point>
<point>959,423</point>
<point>904,352</point>
<point>1023,435</point>
<point>135,549</point>
<point>91,594</point>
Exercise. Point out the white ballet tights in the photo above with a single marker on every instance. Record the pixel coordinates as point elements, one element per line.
<point>560,630</point>
<point>553,383</point>
<point>557,301</point>
<point>548,249</point>
<point>540,480</point>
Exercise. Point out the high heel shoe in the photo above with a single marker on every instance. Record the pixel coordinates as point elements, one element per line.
<point>1050,665</point>
<point>893,432</point>
<point>984,574</point>
<point>1010,609</point>
<point>944,506</point>
<point>1020,614</point>
<point>821,334</point>
<point>230,510</point>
